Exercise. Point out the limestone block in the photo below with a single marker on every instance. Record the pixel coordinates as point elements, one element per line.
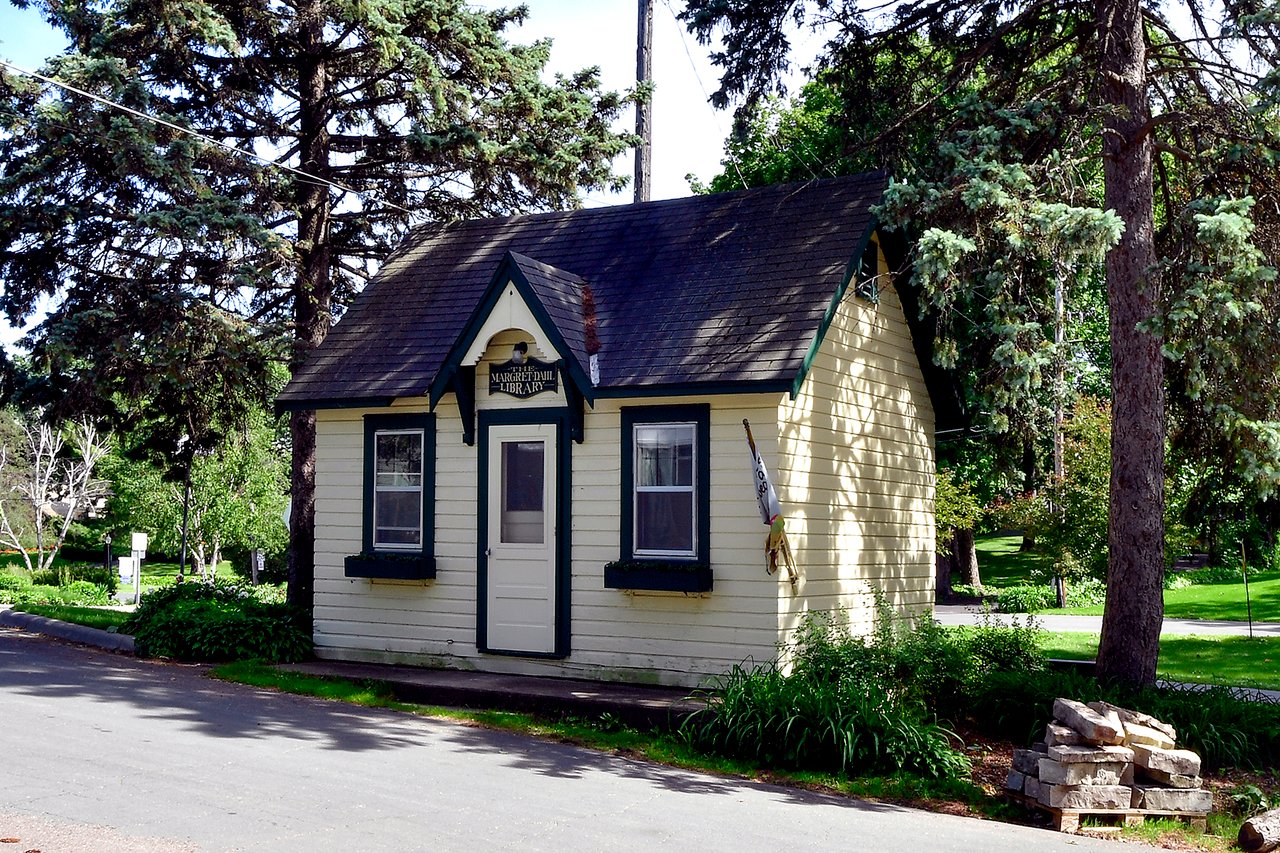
<point>1095,727</point>
<point>1015,781</point>
<point>1056,734</point>
<point>1183,762</point>
<point>1176,799</point>
<point>1172,780</point>
<point>1031,787</point>
<point>1089,754</point>
<point>1086,796</point>
<point>1041,747</point>
<point>1026,760</point>
<point>1138,733</point>
<point>1137,717</point>
<point>1126,775</point>
<point>1082,773</point>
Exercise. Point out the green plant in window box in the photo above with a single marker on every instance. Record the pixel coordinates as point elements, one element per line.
<point>391,566</point>
<point>665,575</point>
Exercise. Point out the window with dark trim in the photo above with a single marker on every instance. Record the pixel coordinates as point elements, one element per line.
<point>666,473</point>
<point>398,499</point>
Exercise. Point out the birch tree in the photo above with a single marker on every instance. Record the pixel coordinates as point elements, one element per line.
<point>51,480</point>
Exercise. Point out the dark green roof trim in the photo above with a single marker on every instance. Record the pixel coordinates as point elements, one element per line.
<point>833,308</point>
<point>509,270</point>
<point>696,389</point>
<point>339,403</point>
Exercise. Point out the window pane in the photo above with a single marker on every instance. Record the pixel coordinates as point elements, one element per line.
<point>399,459</point>
<point>522,492</point>
<point>664,521</point>
<point>397,518</point>
<point>664,454</point>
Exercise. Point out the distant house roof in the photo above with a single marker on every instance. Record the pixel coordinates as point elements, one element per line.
<point>718,292</point>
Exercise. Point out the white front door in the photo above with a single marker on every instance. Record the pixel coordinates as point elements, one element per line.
<point>521,550</point>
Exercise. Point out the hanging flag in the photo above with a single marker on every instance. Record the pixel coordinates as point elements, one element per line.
<point>777,550</point>
<point>766,497</point>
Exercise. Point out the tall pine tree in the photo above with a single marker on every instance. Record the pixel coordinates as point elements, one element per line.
<point>1031,108</point>
<point>177,265</point>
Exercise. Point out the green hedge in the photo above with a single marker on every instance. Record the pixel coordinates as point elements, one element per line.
<point>196,621</point>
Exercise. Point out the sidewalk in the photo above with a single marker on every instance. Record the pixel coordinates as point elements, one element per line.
<point>969,614</point>
<point>638,705</point>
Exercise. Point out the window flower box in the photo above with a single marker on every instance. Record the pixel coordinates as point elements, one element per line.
<point>658,575</point>
<point>390,566</point>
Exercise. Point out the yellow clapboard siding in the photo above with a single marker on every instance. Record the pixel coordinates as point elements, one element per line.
<point>855,468</point>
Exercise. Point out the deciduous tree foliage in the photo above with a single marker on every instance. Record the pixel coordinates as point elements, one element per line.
<point>176,261</point>
<point>1064,133</point>
<point>238,490</point>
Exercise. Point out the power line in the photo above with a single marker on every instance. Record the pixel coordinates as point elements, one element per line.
<point>209,140</point>
<point>733,160</point>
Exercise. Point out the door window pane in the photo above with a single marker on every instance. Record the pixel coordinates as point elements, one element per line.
<point>664,489</point>
<point>522,499</point>
<point>397,489</point>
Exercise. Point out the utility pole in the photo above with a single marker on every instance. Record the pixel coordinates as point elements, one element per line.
<point>644,114</point>
<point>1059,414</point>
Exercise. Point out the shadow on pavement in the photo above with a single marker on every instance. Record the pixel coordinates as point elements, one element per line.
<point>39,667</point>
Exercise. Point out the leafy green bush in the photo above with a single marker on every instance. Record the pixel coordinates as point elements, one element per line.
<point>216,622</point>
<point>19,590</point>
<point>1081,592</point>
<point>1216,574</point>
<point>95,573</point>
<point>872,704</point>
<point>12,584</point>
<point>1086,592</point>
<point>1025,599</point>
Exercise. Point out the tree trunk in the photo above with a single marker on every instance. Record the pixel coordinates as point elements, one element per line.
<point>966,555</point>
<point>942,569</point>
<point>1261,833</point>
<point>313,290</point>
<point>1129,647</point>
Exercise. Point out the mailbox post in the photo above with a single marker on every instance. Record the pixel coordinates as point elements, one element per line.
<point>138,547</point>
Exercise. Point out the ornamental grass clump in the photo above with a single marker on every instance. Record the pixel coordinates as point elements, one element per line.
<point>853,705</point>
<point>221,621</point>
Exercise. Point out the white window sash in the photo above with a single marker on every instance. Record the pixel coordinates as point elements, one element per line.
<point>388,489</point>
<point>691,489</point>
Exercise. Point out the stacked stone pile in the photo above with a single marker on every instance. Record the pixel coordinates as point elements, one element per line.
<point>1098,757</point>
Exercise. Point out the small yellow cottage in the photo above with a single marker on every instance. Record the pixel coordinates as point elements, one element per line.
<point>531,454</point>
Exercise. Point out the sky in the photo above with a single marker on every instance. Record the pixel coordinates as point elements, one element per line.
<point>688,134</point>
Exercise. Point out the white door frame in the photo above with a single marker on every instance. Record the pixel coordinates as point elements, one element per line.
<point>522,593</point>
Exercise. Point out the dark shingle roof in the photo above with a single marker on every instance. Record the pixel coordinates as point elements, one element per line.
<point>725,288</point>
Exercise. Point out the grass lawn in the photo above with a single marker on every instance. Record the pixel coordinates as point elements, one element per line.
<point>1215,601</point>
<point>94,617</point>
<point>1001,564</point>
<point>1230,661</point>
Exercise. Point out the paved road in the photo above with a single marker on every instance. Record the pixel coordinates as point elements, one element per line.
<point>966,614</point>
<point>105,753</point>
